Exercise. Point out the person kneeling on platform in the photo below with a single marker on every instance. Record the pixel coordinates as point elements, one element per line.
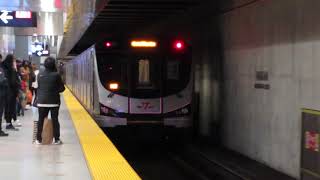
<point>48,98</point>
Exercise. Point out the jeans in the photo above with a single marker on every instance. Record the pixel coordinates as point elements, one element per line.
<point>20,104</point>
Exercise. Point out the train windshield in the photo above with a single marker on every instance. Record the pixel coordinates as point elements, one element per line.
<point>178,69</point>
<point>114,69</point>
<point>147,76</point>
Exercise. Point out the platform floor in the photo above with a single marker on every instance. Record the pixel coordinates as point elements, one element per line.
<point>22,160</point>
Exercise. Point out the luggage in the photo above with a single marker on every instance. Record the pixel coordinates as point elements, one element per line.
<point>47,132</point>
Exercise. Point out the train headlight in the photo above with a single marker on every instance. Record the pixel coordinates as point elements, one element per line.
<point>182,111</point>
<point>113,86</point>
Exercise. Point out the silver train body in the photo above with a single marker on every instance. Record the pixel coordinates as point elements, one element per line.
<point>90,76</point>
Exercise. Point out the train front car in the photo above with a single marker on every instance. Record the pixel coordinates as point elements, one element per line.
<point>144,82</point>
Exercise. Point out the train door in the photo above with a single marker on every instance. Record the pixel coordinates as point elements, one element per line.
<point>145,85</point>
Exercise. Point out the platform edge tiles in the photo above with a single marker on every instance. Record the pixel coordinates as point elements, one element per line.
<point>103,158</point>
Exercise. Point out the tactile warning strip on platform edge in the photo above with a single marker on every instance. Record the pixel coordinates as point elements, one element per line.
<point>104,160</point>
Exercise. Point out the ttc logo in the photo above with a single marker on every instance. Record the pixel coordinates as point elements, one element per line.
<point>145,106</point>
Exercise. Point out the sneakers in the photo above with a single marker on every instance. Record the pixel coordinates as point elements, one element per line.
<point>57,142</point>
<point>2,134</point>
<point>27,107</point>
<point>16,123</point>
<point>37,142</point>
<point>11,127</point>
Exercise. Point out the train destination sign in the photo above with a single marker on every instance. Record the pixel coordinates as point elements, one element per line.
<point>18,18</point>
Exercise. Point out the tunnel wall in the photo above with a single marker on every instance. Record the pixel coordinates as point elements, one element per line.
<point>280,38</point>
<point>207,68</point>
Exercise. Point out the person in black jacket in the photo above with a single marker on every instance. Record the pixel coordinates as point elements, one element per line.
<point>8,66</point>
<point>48,98</point>
<point>3,95</point>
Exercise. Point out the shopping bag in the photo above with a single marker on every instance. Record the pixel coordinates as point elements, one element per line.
<point>47,132</point>
<point>29,96</point>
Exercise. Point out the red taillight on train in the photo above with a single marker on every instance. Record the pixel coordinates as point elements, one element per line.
<point>178,45</point>
<point>108,44</point>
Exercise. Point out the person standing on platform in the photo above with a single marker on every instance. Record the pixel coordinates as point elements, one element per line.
<point>9,67</point>
<point>3,95</point>
<point>48,98</point>
<point>34,84</point>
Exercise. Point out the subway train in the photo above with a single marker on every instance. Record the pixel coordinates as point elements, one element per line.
<point>134,82</point>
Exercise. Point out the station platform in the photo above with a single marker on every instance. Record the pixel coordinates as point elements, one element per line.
<point>86,152</point>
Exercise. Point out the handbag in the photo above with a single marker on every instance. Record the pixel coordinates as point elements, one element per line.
<point>47,132</point>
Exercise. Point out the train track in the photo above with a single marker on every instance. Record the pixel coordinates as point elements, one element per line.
<point>155,160</point>
<point>203,167</point>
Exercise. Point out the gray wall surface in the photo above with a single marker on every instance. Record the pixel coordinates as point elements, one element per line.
<point>208,67</point>
<point>282,38</point>
<point>21,51</point>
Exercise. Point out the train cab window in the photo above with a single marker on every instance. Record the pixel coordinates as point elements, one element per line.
<point>146,76</point>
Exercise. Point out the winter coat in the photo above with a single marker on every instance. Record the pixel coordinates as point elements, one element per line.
<point>49,86</point>
<point>13,80</point>
<point>3,84</point>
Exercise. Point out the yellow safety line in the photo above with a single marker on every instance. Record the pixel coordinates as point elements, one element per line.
<point>104,160</point>
<point>311,111</point>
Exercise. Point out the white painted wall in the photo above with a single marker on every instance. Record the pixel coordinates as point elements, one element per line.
<point>7,41</point>
<point>283,38</point>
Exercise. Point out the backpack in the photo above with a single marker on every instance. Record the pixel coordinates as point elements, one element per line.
<point>3,79</point>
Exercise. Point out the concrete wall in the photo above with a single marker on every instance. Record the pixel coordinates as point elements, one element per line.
<point>208,68</point>
<point>282,38</point>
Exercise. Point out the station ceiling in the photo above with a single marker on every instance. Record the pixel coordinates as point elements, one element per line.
<point>121,17</point>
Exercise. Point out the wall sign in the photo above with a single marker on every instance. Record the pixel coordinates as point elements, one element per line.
<point>18,18</point>
<point>262,80</point>
<point>312,141</point>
